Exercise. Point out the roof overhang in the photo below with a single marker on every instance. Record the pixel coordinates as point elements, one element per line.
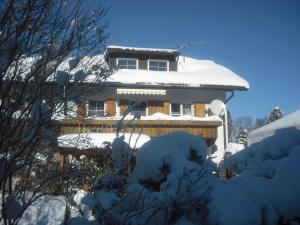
<point>131,91</point>
<point>112,49</point>
<point>172,86</point>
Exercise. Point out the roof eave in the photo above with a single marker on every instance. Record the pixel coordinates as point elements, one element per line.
<point>178,86</point>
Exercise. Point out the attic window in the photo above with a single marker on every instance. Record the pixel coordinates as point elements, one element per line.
<point>158,65</point>
<point>123,63</point>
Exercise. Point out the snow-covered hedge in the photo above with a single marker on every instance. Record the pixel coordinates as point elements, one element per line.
<point>174,182</point>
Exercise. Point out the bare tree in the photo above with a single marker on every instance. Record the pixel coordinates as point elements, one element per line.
<point>47,53</point>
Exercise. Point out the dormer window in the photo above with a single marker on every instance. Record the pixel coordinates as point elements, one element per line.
<point>158,65</point>
<point>127,63</point>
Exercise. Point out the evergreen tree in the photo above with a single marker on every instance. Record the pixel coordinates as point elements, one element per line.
<point>242,137</point>
<point>275,114</point>
<point>230,126</point>
<point>241,123</point>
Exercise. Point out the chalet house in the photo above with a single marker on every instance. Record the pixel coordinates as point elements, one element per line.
<point>165,91</point>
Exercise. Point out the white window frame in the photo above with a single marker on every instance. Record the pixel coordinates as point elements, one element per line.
<point>136,63</point>
<point>181,109</point>
<point>104,108</point>
<point>158,60</point>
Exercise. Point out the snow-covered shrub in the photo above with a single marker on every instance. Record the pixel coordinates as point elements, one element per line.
<point>166,155</point>
<point>121,154</point>
<point>262,158</point>
<point>174,182</point>
<point>171,180</point>
<point>266,190</point>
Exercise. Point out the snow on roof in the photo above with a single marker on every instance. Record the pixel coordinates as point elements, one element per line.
<point>162,50</point>
<point>191,73</point>
<point>99,140</point>
<point>291,120</point>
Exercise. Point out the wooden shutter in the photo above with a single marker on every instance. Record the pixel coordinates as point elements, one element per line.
<point>81,110</point>
<point>111,107</point>
<point>158,106</point>
<point>199,109</point>
<point>123,105</point>
<point>154,107</point>
<point>166,108</point>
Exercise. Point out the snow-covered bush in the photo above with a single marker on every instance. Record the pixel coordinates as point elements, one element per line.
<point>170,183</point>
<point>266,190</point>
<point>174,182</point>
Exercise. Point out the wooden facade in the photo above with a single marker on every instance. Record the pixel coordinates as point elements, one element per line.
<point>81,110</point>
<point>111,105</point>
<point>199,109</point>
<point>152,128</point>
<point>154,106</point>
<point>158,106</point>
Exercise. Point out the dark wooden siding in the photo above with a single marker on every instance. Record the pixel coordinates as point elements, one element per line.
<point>112,62</point>
<point>143,58</point>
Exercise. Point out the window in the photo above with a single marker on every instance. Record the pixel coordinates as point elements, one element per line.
<point>138,108</point>
<point>186,109</point>
<point>175,109</point>
<point>158,65</point>
<point>181,109</point>
<point>127,63</point>
<point>96,108</point>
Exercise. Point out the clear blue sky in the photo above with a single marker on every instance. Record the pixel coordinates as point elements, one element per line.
<point>259,40</point>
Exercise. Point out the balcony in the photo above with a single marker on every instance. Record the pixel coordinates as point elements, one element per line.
<point>153,128</point>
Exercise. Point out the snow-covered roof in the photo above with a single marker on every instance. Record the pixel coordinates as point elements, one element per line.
<point>126,48</point>
<point>191,73</point>
<point>291,120</point>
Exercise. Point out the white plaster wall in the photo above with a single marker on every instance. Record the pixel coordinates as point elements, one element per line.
<point>183,96</point>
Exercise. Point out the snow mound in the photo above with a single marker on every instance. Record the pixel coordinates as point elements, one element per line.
<point>266,189</point>
<point>46,210</point>
<point>291,120</point>
<point>263,157</point>
<point>168,153</point>
<point>233,148</point>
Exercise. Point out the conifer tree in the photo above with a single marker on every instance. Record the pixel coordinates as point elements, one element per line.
<point>275,114</point>
<point>242,137</point>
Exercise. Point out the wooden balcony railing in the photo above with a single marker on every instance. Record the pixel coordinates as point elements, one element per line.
<point>152,128</point>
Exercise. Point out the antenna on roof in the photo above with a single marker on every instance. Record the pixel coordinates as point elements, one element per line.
<point>185,45</point>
